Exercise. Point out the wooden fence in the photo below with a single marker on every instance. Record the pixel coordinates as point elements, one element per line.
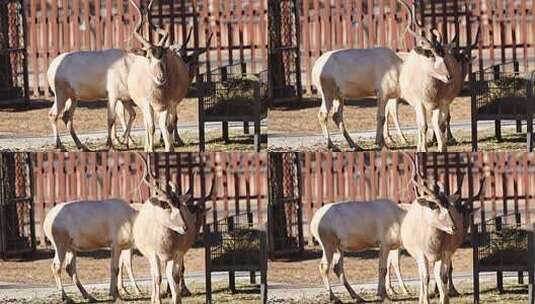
<point>57,26</point>
<point>240,28</point>
<point>61,177</point>
<point>330,177</point>
<point>508,27</point>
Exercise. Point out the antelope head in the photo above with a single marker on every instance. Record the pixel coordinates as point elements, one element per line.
<point>435,208</point>
<point>191,60</point>
<point>168,205</point>
<point>463,55</point>
<point>429,53</point>
<point>155,53</point>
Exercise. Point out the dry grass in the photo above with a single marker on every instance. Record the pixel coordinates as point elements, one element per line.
<point>92,268</point>
<point>514,294</point>
<point>89,116</point>
<point>486,142</point>
<point>362,268</point>
<point>359,115</point>
<point>359,268</point>
<point>220,294</point>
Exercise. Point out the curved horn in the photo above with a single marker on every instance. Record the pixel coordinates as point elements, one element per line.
<point>459,184</point>
<point>481,190</point>
<point>161,31</point>
<point>146,44</point>
<point>213,188</point>
<point>148,172</point>
<point>183,48</point>
<point>413,21</point>
<point>476,41</point>
<point>455,39</point>
<point>417,177</point>
<point>437,35</point>
<point>205,49</point>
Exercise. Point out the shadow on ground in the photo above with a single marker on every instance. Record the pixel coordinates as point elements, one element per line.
<point>37,104</point>
<point>315,102</point>
<point>316,253</point>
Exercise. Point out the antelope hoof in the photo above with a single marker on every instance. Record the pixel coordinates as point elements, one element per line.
<point>66,299</point>
<point>83,148</point>
<point>334,299</point>
<point>91,299</point>
<point>138,292</point>
<point>117,299</point>
<point>356,149</point>
<point>61,148</point>
<point>185,292</point>
<point>358,299</point>
<point>453,141</point>
<point>330,145</point>
<point>389,139</point>
<point>453,292</point>
<point>179,142</point>
<point>381,147</point>
<point>166,294</point>
<point>391,291</point>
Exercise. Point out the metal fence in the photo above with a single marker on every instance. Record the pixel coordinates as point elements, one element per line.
<point>330,177</point>
<point>17,225</point>
<point>13,53</point>
<point>61,177</point>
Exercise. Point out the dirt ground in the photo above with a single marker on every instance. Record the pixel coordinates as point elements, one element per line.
<point>89,116</point>
<point>360,268</point>
<point>359,115</point>
<point>511,141</point>
<point>307,287</point>
<point>514,294</point>
<point>92,268</point>
<point>247,294</point>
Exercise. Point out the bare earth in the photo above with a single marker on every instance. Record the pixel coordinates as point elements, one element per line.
<point>92,268</point>
<point>359,268</point>
<point>89,116</point>
<point>359,115</point>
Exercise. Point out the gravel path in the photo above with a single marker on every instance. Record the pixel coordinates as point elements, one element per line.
<point>16,142</point>
<point>13,292</point>
<point>313,142</point>
<point>279,292</point>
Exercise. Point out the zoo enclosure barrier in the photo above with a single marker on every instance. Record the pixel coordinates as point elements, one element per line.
<point>61,177</point>
<point>57,26</point>
<point>13,52</point>
<point>507,28</point>
<point>330,177</point>
<point>17,221</point>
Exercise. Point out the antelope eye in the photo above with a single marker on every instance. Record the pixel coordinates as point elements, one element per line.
<point>433,205</point>
<point>157,53</point>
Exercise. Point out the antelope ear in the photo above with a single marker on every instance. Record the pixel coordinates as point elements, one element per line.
<point>155,201</point>
<point>424,44</point>
<point>474,210</point>
<point>173,186</point>
<point>471,211</point>
<point>205,211</point>
<point>186,198</point>
<point>454,198</point>
<point>422,202</point>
